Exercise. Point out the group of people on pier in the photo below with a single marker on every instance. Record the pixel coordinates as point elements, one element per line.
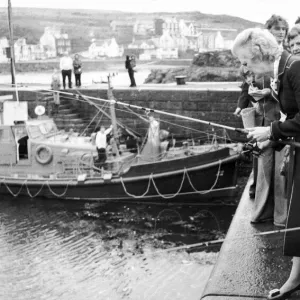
<point>270,60</point>
<point>67,66</point>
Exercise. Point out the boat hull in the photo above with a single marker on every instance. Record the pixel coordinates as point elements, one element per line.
<point>213,177</point>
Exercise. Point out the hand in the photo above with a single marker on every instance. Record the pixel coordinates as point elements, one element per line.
<point>266,91</point>
<point>264,145</point>
<point>237,111</point>
<point>260,134</point>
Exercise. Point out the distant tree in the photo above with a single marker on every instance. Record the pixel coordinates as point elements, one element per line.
<point>298,21</point>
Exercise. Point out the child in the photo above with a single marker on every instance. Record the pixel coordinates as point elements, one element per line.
<point>250,92</point>
<point>55,85</point>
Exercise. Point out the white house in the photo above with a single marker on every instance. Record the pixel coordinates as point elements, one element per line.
<point>105,48</point>
<point>3,45</point>
<point>186,28</point>
<point>54,42</point>
<point>25,52</point>
<point>171,25</point>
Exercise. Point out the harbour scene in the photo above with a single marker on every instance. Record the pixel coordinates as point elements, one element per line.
<point>141,156</point>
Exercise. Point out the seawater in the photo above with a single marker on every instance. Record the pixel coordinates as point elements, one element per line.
<point>55,249</point>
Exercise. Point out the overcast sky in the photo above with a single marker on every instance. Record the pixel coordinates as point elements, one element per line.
<point>254,10</point>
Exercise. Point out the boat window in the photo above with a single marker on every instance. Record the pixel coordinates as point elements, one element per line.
<point>35,132</point>
<point>5,135</point>
<point>42,130</point>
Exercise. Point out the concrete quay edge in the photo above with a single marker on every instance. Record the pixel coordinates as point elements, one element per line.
<point>198,86</point>
<point>248,266</point>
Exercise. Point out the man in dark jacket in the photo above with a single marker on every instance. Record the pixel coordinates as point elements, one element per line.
<point>130,65</point>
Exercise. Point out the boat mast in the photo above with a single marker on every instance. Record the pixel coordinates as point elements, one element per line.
<point>12,52</point>
<point>110,97</point>
<point>11,46</point>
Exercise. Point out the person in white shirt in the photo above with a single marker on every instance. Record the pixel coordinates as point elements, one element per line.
<point>101,143</point>
<point>66,66</point>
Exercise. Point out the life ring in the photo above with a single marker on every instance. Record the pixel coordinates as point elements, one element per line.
<point>44,154</point>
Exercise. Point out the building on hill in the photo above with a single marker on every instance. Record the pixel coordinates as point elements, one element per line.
<point>55,42</point>
<point>186,28</point>
<point>144,49</point>
<point>143,27</point>
<point>26,52</point>
<point>105,48</point>
<point>158,26</point>
<point>171,25</point>
<point>167,45</point>
<point>210,39</point>
<point>4,44</point>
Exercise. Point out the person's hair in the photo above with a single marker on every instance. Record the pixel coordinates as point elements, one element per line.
<point>274,20</point>
<point>295,31</point>
<point>297,21</point>
<point>260,42</point>
<point>244,72</point>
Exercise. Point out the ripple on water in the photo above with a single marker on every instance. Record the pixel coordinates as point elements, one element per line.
<point>49,250</point>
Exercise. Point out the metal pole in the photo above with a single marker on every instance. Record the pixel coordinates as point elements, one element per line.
<point>11,44</point>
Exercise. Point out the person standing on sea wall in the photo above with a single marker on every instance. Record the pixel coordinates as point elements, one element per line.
<point>66,66</point>
<point>77,67</point>
<point>130,64</point>
<point>278,26</point>
<point>259,50</point>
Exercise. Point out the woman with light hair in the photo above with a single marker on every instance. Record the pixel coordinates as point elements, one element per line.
<point>259,50</point>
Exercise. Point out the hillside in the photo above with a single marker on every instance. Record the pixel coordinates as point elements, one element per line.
<point>30,22</point>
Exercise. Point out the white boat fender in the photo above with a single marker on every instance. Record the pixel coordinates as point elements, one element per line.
<point>107,176</point>
<point>44,154</point>
<point>81,178</point>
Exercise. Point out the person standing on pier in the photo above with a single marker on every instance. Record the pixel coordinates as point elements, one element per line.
<point>259,50</point>
<point>77,66</point>
<point>267,110</point>
<point>66,66</point>
<point>279,27</point>
<point>130,66</point>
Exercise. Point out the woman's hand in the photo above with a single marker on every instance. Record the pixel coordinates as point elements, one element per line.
<point>237,111</point>
<point>260,134</point>
<point>266,91</point>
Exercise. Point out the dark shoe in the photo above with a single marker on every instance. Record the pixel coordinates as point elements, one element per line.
<point>275,294</point>
<point>261,221</point>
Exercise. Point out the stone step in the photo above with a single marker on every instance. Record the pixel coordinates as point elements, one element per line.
<point>65,111</point>
<point>70,116</point>
<point>64,106</point>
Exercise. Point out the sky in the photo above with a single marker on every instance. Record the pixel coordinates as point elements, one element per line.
<point>254,10</point>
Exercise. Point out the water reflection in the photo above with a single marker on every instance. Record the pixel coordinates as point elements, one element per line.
<point>65,250</point>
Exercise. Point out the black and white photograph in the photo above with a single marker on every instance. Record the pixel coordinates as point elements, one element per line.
<point>149,150</point>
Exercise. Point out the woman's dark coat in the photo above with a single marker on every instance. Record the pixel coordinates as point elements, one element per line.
<point>289,99</point>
